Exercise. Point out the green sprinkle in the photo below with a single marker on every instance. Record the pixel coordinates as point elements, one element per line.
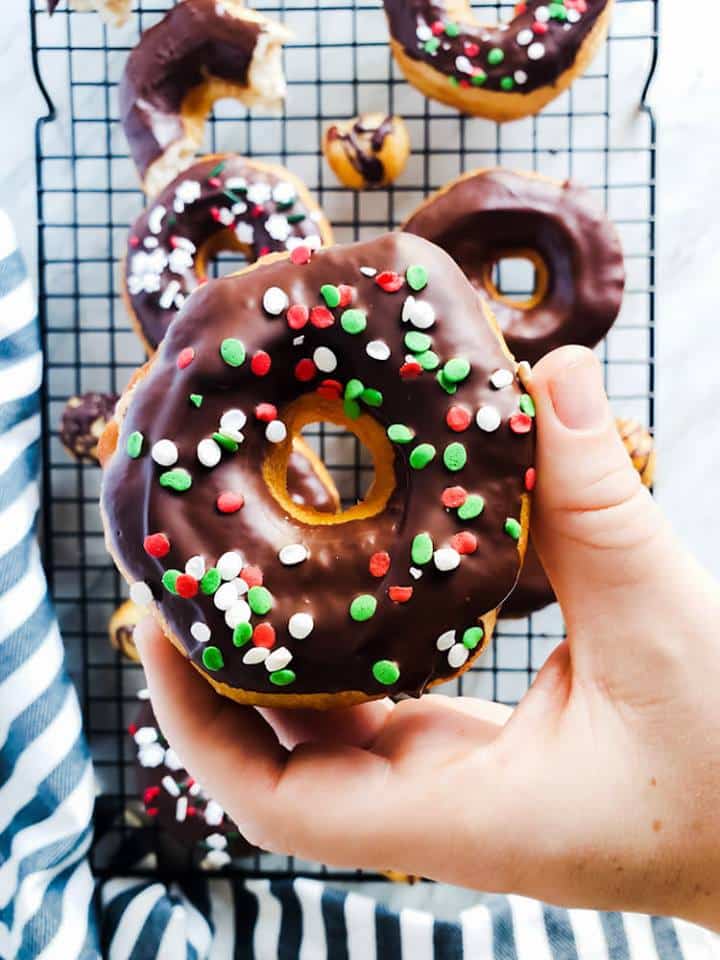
<point>212,658</point>
<point>456,370</point>
<point>428,360</point>
<point>447,386</point>
<point>472,637</point>
<point>241,634</point>
<point>452,29</point>
<point>386,672</point>
<point>421,456</point>
<point>372,397</point>
<point>353,321</point>
<point>417,342</point>
<point>135,444</point>
<point>478,79</point>
<point>363,607</point>
<point>217,169</point>
<point>354,389</point>
<point>232,351</point>
<point>416,276</point>
<point>281,678</point>
<point>399,433</point>
<point>431,45</point>
<point>453,81</point>
<point>295,217</point>
<point>260,600</point>
<point>526,405</point>
<point>169,579</point>
<point>227,443</point>
<point>455,456</point>
<point>196,399</point>
<point>233,197</point>
<point>210,581</point>
<point>507,83</point>
<point>513,528</point>
<point>330,294</point>
<point>352,409</point>
<point>178,480</point>
<point>557,11</point>
<point>495,56</point>
<point>473,507</point>
<point>421,550</point>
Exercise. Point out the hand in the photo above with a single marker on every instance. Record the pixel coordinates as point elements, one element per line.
<point>601,789</point>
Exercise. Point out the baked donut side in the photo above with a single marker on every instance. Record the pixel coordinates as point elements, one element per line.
<point>200,52</point>
<point>502,72</point>
<point>115,12</point>
<point>489,214</point>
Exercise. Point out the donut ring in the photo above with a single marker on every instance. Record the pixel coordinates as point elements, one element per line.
<point>487,215</point>
<point>368,151</point>
<point>222,202</point>
<point>410,578</point>
<point>501,72</point>
<point>201,51</point>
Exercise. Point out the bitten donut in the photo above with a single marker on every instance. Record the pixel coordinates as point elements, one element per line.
<point>82,423</point>
<point>279,604</point>
<point>222,202</point>
<point>116,12</point>
<point>501,72</point>
<point>486,216</point>
<point>121,629</point>
<point>200,52</point>
<point>368,151</point>
<point>533,591</point>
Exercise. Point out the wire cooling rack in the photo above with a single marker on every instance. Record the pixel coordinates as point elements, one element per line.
<point>600,133</point>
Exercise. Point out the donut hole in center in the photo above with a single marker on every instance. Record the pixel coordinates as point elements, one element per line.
<point>518,278</point>
<point>222,255</point>
<point>347,460</point>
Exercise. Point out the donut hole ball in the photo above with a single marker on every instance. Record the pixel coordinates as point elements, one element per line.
<point>83,421</point>
<point>368,151</point>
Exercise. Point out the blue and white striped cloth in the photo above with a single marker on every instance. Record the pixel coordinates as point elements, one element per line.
<point>49,903</point>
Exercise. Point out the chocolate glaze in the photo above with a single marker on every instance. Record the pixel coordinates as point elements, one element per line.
<point>339,653</point>
<point>156,256</point>
<point>305,487</point>
<point>83,421</point>
<point>411,21</point>
<point>492,213</point>
<point>361,142</point>
<point>195,40</point>
<point>52,6</point>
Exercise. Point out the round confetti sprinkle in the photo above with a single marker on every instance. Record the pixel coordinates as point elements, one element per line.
<point>252,576</point>
<point>363,607</point>
<point>229,502</point>
<point>275,301</point>
<point>321,318</point>
<point>229,565</point>
<point>400,594</point>
<point>178,480</point>
<point>520,423</point>
<point>232,351</point>
<point>200,631</point>
<point>347,294</point>
<point>276,431</point>
<point>353,321</point>
<point>368,271</point>
<point>156,545</point>
<point>446,559</point>
<point>209,453</point>
<point>353,389</point>
<point>261,363</point>
<point>242,633</point>
<point>196,399</point>
<point>446,384</point>
<point>399,433</point>
<point>134,444</point>
<point>422,455</point>
<point>488,418</point>
<point>195,566</point>
<point>210,581</point>
<point>305,370</point>
<point>495,56</point>
<point>536,51</point>
<point>227,443</point>
<point>260,600</point>
<point>292,554</point>
<point>300,255</point>
<point>212,658</point>
<point>457,655</point>
<point>428,360</point>
<point>421,550</point>
<point>278,659</point>
<point>324,359</point>
<point>386,672</point>
<point>256,655</point>
<point>419,313</point>
<point>389,281</point>
<point>140,593</point>
<point>408,371</point>
<point>185,357</point>
<point>472,507</point>
<point>445,640</point>
<point>264,636</point>
<point>458,418</point>
<point>452,497</point>
<point>266,412</point>
<point>233,419</point>
<point>417,342</point>
<point>186,586</point>
<point>281,678</point>
<point>330,294</point>
<point>225,596</point>
<point>526,404</point>
<point>464,542</point>
<point>501,378</point>
<point>297,316</point>
<point>379,563</point>
<point>455,456</point>
<point>169,579</point>
<point>372,397</point>
<point>416,276</point>
<point>513,528</point>
<point>472,637</point>
<point>300,625</point>
<point>239,612</point>
<point>378,350</point>
<point>456,370</point>
<point>530,478</point>
<point>164,453</point>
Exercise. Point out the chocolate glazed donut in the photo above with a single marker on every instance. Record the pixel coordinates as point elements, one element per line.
<point>277,604</point>
<point>487,215</point>
<point>502,72</point>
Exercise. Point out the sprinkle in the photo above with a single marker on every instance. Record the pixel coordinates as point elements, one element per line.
<point>458,418</point>
<point>185,357</point>
<point>452,497</point>
<point>134,444</point>
<point>501,378</point>
<point>507,83</point>
<point>195,567</point>
<point>513,528</point>
<point>209,453</point>
<point>261,363</point>
<point>321,318</point>
<point>347,294</point>
<point>196,399</point>
<point>266,412</point>
<point>368,271</point>
<point>410,370</point>
<point>353,389</point>
<point>446,559</point>
<point>233,419</point>
<point>372,397</point>
<point>363,607</point>
<point>417,342</point>
<point>488,418</point>
<point>232,351</point>
<point>452,29</point>
<point>210,581</point>
<point>419,313</point>
<point>422,455</point>
<point>400,594</point>
<point>456,370</point>
<point>256,655</point>
<point>416,276</point>
<point>242,633</point>
<point>140,593</point>
<point>278,659</point>
<point>524,37</point>
<point>389,281</point>
<point>200,631</point>
<point>212,658</point>
<point>241,587</point>
<point>379,563</point>
<point>455,456</point>
<point>386,672</point>
<point>530,478</point>
<point>472,507</point>
<point>446,384</point>
<point>472,637</point>
<point>275,301</point>
<point>399,433</point>
<point>324,359</point>
<point>292,554</point>
<point>239,612</point>
<point>305,370</point>
<point>464,542</point>
<point>457,655</point>
<point>300,255</point>
<point>377,350</point>
<point>156,545</point>
<point>495,56</point>
<point>353,321</point>
<point>252,576</point>
<point>229,502</point>
<point>168,295</point>
<point>330,294</point>
<point>526,404</point>
<point>229,565</point>
<point>226,442</point>
<point>276,431</point>
<point>445,640</point>
<point>351,409</point>
<point>520,423</point>
<point>178,480</point>
<point>264,636</point>
<point>164,452</point>
<point>225,596</point>
<point>300,625</point>
<point>155,218</point>
<point>421,550</point>
<point>170,786</point>
<point>281,678</point>
<point>520,77</point>
<point>428,360</point>
<point>330,389</point>
<point>415,573</point>
<point>536,51</point>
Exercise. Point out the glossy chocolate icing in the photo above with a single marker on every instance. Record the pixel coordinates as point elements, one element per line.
<point>305,487</point>
<point>536,47</point>
<point>217,195</point>
<point>339,653</point>
<point>489,214</point>
<point>361,143</point>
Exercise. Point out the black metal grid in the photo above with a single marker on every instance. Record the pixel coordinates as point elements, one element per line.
<point>600,132</point>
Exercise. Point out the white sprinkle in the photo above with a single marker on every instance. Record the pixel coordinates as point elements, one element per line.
<point>240,586</point>
<point>151,756</point>
<point>195,790</point>
<point>293,553</point>
<point>525,37</point>
<point>275,301</point>
<point>185,243</point>
<point>235,435</point>
<point>151,243</point>
<point>368,271</point>
<point>172,788</point>
<point>143,694</point>
<point>164,452</point>
<point>235,184</point>
<point>520,77</point>
<point>377,350</point>
<point>278,227</point>
<point>278,659</point>
<point>445,640</point>
<point>188,191</point>
<point>536,51</point>
<point>180,261</point>
<point>214,813</point>
<point>195,567</point>
<point>225,216</point>
<point>172,760</point>
<point>216,841</point>
<point>208,452</point>
<point>463,65</point>
<point>446,559</point>
<point>180,300</point>
<point>298,341</point>
<point>215,860</point>
<point>415,573</point>
<point>259,192</point>
<point>542,14</point>
<point>239,612</point>
<point>457,655</point>
<point>229,565</point>
<point>140,593</point>
<point>488,418</point>
<point>256,655</point>
<point>501,378</point>
<point>225,596</point>
<point>200,631</point>
<point>283,193</point>
<point>276,431</point>
<point>181,809</point>
<point>423,32</point>
<point>239,208</point>
<point>573,15</point>
<point>324,359</point>
<point>419,313</point>
<point>169,293</point>
<point>300,625</point>
<point>244,232</point>
<point>233,419</point>
<point>155,218</point>
<point>145,735</point>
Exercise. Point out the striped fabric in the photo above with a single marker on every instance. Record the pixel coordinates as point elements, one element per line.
<point>49,907</point>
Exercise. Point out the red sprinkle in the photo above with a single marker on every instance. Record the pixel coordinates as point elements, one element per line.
<point>530,478</point>
<point>263,251</point>
<point>132,729</point>
<point>192,811</point>
<point>438,28</point>
<point>134,241</point>
<point>347,294</point>
<point>185,357</point>
<point>410,370</point>
<point>215,213</point>
<point>152,811</point>
<point>321,317</point>
<point>252,576</point>
<point>379,563</point>
<point>156,544</point>
<point>453,497</point>
<point>305,370</point>
<point>520,423</point>
<point>261,363</point>
<point>464,542</point>
<point>400,594</point>
<point>389,281</point>
<point>229,502</point>
<point>186,586</point>
<point>539,28</point>
<point>458,418</point>
<point>214,181</point>
<point>300,255</point>
<point>149,794</point>
<point>264,635</point>
<point>257,210</point>
<point>266,412</point>
<point>472,49</point>
<point>330,389</point>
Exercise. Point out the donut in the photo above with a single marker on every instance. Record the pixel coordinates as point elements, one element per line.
<point>200,52</point>
<point>278,604</point>
<point>121,629</point>
<point>115,12</point>
<point>533,591</point>
<point>177,803</point>
<point>501,72</point>
<point>368,151</point>
<point>222,202</point>
<point>487,215</point>
<point>83,420</point>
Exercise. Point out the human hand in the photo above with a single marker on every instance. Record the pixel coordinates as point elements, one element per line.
<point>600,789</point>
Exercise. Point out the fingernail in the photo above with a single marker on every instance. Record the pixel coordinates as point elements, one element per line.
<point>577,392</point>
